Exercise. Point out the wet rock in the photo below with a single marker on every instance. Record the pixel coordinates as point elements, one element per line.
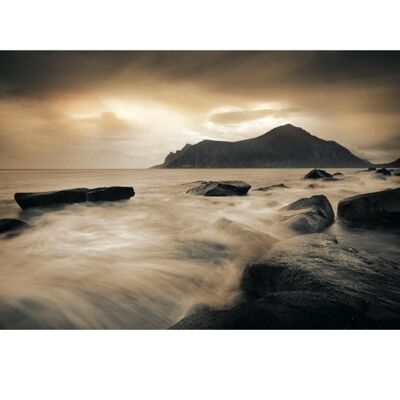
<point>12,225</point>
<point>317,174</point>
<point>72,196</point>
<point>221,188</point>
<point>309,215</point>
<point>371,169</point>
<point>283,310</point>
<point>383,171</point>
<point>245,233</point>
<point>338,175</point>
<point>382,208</point>
<point>332,179</point>
<point>314,186</point>
<point>311,282</point>
<point>268,188</point>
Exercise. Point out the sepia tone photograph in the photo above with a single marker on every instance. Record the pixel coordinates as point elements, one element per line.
<point>200,190</point>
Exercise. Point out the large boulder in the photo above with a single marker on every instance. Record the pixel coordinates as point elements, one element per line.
<point>317,174</point>
<point>283,310</point>
<point>309,215</point>
<point>272,187</point>
<point>383,171</point>
<point>382,208</point>
<point>12,225</point>
<point>220,188</point>
<point>311,282</point>
<point>71,196</point>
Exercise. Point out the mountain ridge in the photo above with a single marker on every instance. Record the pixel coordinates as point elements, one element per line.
<point>283,146</point>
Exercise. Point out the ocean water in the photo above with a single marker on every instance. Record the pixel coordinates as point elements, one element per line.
<point>147,262</point>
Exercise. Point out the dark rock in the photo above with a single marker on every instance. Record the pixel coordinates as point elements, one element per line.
<point>268,188</point>
<point>338,174</point>
<point>371,169</point>
<point>383,171</point>
<point>372,208</point>
<point>311,282</point>
<point>12,225</point>
<point>314,186</point>
<point>332,179</point>
<point>317,174</point>
<point>312,215</point>
<point>283,310</point>
<point>221,188</point>
<point>71,196</point>
<point>318,263</point>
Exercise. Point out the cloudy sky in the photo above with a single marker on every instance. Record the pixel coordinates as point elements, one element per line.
<point>130,109</point>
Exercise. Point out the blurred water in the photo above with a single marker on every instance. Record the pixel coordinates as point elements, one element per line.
<point>145,262</point>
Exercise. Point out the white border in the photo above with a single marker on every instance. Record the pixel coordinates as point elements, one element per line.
<point>199,365</point>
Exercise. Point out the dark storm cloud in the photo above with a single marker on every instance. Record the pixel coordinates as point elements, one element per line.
<point>40,73</point>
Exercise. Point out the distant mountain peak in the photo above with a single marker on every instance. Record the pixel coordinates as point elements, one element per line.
<point>284,146</point>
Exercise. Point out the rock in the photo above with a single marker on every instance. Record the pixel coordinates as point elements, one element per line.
<point>371,169</point>
<point>282,310</point>
<point>12,225</point>
<point>268,188</point>
<point>338,174</point>
<point>381,208</point>
<point>221,188</point>
<point>332,179</point>
<point>318,263</point>
<point>311,215</point>
<point>245,233</point>
<point>71,196</point>
<point>311,282</point>
<point>383,171</point>
<point>314,186</point>
<point>317,174</point>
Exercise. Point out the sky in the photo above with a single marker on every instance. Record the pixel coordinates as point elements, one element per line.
<point>130,109</point>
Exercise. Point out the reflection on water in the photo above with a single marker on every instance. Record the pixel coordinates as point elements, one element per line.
<point>145,262</point>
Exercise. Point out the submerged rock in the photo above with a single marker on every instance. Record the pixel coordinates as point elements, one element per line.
<point>383,171</point>
<point>372,208</point>
<point>311,282</point>
<point>332,179</point>
<point>268,188</point>
<point>311,215</point>
<point>221,188</point>
<point>317,174</point>
<point>12,225</point>
<point>71,196</point>
<point>314,186</point>
<point>338,174</point>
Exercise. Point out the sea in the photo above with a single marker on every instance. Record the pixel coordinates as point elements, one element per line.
<point>147,262</point>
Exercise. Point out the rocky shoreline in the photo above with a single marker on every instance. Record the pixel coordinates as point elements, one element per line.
<point>312,281</point>
<point>309,280</point>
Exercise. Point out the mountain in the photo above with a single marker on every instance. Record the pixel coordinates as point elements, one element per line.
<point>284,146</point>
<point>394,164</point>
